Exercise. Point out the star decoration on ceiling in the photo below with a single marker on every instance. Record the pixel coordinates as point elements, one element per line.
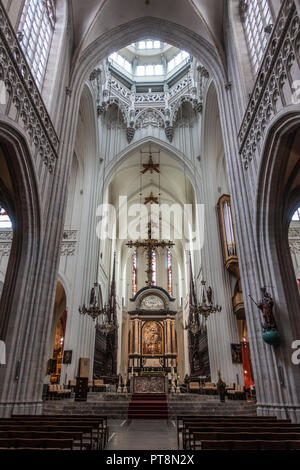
<point>150,166</point>
<point>152,199</point>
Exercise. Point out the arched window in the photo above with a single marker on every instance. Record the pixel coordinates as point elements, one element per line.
<point>294,243</point>
<point>169,272</point>
<point>134,274</point>
<point>35,32</point>
<point>4,219</point>
<point>256,16</point>
<point>296,215</point>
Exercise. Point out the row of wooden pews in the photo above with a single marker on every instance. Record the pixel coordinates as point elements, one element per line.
<point>54,432</point>
<point>237,433</point>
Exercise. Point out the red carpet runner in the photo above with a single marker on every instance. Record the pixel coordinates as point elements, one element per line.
<point>148,406</point>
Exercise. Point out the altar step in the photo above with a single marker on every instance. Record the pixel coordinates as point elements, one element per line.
<point>212,408</point>
<point>116,406</point>
<point>149,396</point>
<point>148,406</point>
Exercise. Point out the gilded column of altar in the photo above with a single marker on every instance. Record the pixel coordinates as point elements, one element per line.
<point>131,344</point>
<point>140,337</point>
<point>173,337</point>
<point>136,336</point>
<point>165,336</point>
<point>169,335</point>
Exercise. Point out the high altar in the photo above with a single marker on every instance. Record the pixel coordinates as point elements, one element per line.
<point>152,340</point>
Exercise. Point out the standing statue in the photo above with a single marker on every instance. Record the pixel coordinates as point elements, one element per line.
<point>221,388</point>
<point>266,306</point>
<point>92,296</point>
<point>209,295</point>
<point>270,331</point>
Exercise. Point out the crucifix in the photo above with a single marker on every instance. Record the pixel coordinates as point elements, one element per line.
<point>150,244</point>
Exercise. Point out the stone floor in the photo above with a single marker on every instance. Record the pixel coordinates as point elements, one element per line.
<point>142,435</point>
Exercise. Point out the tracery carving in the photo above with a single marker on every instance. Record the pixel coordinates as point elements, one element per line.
<point>155,109</point>
<point>275,73</point>
<point>150,117</point>
<point>24,94</point>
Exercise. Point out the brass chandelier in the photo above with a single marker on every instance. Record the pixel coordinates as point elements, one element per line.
<point>199,312</point>
<point>103,315</point>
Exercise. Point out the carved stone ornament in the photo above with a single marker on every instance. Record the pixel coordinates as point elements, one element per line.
<point>169,130</point>
<point>130,131</point>
<point>152,302</point>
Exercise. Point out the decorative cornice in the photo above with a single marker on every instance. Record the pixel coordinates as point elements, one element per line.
<point>294,240</point>
<point>24,94</point>
<point>6,237</point>
<point>68,244</point>
<point>143,110</point>
<point>274,74</point>
<point>67,247</point>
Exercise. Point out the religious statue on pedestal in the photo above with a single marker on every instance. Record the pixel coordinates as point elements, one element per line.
<point>270,331</point>
<point>266,306</point>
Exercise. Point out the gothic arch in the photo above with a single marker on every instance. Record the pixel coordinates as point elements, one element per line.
<point>278,192</point>
<point>179,156</point>
<point>127,33</point>
<point>20,292</point>
<point>179,105</point>
<point>24,209</point>
<point>275,201</point>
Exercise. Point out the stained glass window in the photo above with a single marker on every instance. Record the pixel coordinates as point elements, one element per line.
<point>4,219</point>
<point>258,17</point>
<point>169,272</point>
<point>296,215</point>
<point>36,27</point>
<point>134,274</point>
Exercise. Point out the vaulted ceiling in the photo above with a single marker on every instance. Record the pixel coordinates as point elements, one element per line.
<point>92,18</point>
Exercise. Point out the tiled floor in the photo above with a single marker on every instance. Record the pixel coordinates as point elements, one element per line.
<point>142,435</point>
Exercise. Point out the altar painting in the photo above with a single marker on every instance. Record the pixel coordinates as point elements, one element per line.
<point>152,339</point>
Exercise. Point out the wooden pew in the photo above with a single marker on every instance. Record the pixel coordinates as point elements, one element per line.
<point>225,419</point>
<point>49,444</point>
<point>90,439</point>
<point>195,443</point>
<point>191,427</point>
<point>101,420</point>
<point>251,445</point>
<point>76,437</point>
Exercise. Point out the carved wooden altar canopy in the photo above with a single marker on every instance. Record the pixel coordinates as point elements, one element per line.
<point>152,332</point>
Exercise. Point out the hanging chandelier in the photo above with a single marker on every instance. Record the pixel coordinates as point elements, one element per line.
<point>199,312</point>
<point>102,314</point>
<point>206,307</point>
<point>105,324</point>
<point>94,310</point>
